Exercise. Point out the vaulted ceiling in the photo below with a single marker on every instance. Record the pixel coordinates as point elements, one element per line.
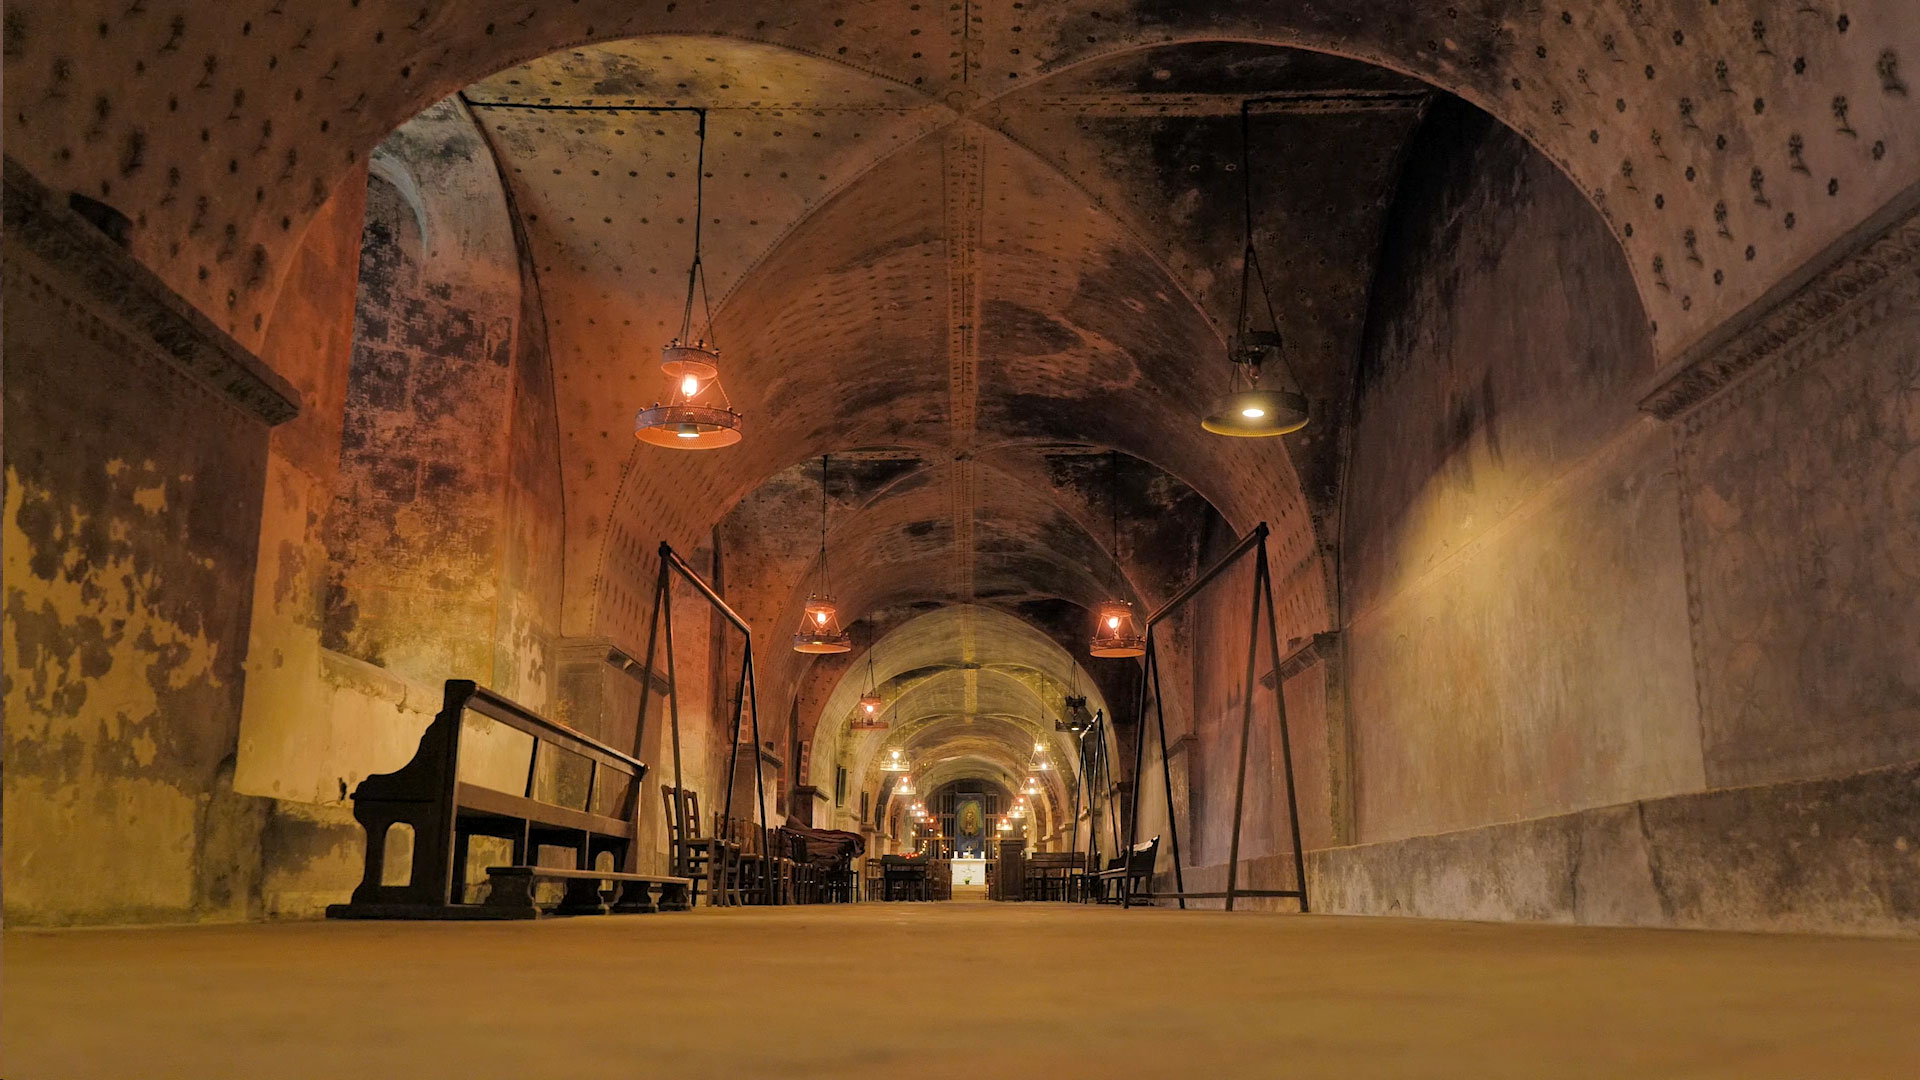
<point>970,247</point>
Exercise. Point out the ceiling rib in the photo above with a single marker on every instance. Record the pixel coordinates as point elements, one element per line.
<point>1302,102</point>
<point>964,207</point>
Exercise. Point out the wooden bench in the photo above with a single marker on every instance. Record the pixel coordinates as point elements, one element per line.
<point>905,877</point>
<point>1137,866</point>
<point>489,767</point>
<point>511,892</point>
<point>1049,874</point>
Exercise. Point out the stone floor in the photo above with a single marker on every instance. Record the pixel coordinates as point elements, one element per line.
<point>953,990</point>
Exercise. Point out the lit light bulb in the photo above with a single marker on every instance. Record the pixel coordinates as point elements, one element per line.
<point>869,708</point>
<point>689,386</point>
<point>1253,414</point>
<point>1113,623</point>
<point>820,617</point>
<point>1039,748</point>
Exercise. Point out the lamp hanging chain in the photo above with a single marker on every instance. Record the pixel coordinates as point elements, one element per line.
<point>697,272</point>
<point>826,571</point>
<point>1250,268</point>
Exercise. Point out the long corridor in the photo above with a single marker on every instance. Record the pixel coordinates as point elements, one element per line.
<point>952,990</point>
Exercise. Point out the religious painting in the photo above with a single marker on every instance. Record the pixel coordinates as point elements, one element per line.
<point>970,824</point>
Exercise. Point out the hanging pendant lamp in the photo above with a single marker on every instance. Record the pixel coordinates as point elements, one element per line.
<point>894,762</point>
<point>698,415</point>
<point>1114,632</point>
<point>820,631</point>
<point>870,702</point>
<point>867,715</point>
<point>1073,707</point>
<point>1254,411</point>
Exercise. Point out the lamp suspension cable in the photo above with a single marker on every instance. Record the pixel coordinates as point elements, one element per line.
<point>697,272</point>
<point>692,360</point>
<point>1255,412</point>
<point>1114,633</point>
<point>1250,267</point>
<point>820,630</point>
<point>826,569</point>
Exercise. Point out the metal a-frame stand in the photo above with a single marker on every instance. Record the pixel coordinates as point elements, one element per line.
<point>1094,768</point>
<point>745,701</point>
<point>1255,542</point>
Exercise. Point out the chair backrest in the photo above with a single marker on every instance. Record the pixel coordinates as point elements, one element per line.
<point>1141,859</point>
<point>667,795</point>
<point>742,831</point>
<point>693,812</point>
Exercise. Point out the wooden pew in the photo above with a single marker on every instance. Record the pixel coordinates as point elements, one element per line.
<point>488,767</point>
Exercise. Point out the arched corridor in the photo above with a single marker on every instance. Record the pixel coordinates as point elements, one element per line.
<point>470,459</point>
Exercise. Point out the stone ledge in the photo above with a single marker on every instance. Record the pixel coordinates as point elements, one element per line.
<point>378,683</point>
<point>1832,856</point>
<point>108,280</point>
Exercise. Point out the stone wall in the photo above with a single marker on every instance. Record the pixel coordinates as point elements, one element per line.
<point>302,592</point>
<point>1835,855</point>
<point>1800,503</point>
<point>1511,569</point>
<point>414,531</point>
<point>1666,673</point>
<point>136,446</point>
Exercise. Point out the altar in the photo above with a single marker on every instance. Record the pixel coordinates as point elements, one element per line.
<point>969,872</point>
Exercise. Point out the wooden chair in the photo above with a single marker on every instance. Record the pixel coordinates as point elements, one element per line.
<point>702,858</point>
<point>1130,876</point>
<point>759,877</point>
<point>1080,879</point>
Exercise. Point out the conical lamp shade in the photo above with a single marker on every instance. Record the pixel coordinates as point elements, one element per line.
<point>820,631</point>
<point>869,715</point>
<point>1257,413</point>
<point>697,359</point>
<point>687,427</point>
<point>1115,634</point>
<point>698,416</point>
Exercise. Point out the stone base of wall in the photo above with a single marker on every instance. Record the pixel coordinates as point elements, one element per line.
<point>1827,856</point>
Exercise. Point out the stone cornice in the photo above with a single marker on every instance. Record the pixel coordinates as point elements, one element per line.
<point>110,281</point>
<point>1885,246</point>
<point>1311,651</point>
<point>602,650</point>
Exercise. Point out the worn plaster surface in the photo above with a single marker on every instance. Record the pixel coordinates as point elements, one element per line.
<point>970,250</point>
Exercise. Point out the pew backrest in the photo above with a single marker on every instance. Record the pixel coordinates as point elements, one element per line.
<point>485,755</point>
